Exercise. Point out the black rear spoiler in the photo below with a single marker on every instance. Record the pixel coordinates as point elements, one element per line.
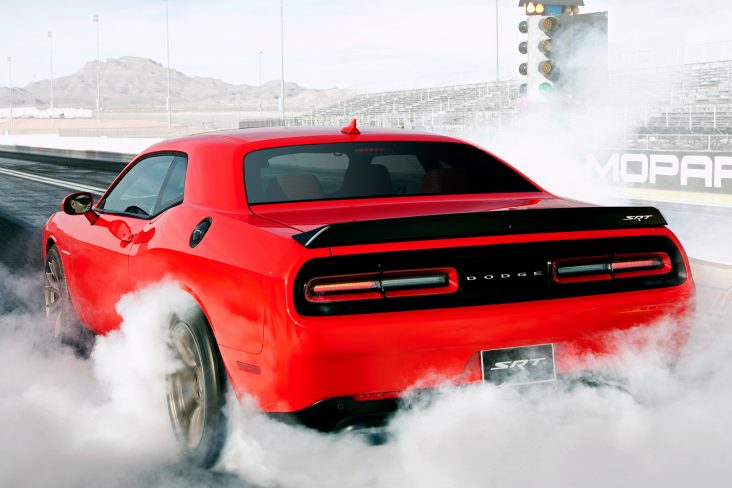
<point>494,223</point>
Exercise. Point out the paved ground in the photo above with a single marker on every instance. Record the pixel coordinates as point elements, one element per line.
<point>25,205</point>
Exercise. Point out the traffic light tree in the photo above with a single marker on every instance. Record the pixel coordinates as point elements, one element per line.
<point>566,52</point>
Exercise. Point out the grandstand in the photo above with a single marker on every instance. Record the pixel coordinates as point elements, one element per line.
<point>679,107</point>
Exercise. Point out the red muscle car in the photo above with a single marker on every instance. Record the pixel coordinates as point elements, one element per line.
<point>335,269</point>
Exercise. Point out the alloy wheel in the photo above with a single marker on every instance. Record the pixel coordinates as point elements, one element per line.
<point>53,292</point>
<point>186,388</point>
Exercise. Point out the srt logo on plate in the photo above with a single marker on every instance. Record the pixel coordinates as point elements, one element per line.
<point>520,364</point>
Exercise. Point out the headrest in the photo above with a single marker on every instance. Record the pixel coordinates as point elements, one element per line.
<point>446,180</point>
<point>300,187</point>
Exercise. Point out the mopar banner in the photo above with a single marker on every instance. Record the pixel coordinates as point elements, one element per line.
<point>708,172</point>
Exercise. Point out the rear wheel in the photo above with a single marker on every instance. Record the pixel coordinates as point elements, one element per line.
<point>59,310</point>
<point>196,392</point>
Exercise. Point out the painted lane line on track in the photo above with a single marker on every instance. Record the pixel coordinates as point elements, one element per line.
<point>52,181</point>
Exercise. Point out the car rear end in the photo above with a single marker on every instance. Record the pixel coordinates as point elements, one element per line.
<point>517,294</point>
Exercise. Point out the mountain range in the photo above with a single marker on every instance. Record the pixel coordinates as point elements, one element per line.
<point>138,83</point>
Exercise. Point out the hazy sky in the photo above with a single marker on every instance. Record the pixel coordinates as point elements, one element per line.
<point>368,45</point>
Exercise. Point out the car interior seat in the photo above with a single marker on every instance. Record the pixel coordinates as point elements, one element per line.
<point>446,180</point>
<point>294,187</point>
<point>366,180</point>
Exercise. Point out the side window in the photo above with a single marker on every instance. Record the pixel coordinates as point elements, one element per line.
<point>140,189</point>
<point>173,186</point>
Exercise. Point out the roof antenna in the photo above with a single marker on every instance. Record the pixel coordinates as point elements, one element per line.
<point>351,128</point>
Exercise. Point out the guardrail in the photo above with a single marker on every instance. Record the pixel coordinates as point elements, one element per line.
<point>72,157</point>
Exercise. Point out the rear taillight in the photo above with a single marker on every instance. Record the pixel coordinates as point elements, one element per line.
<point>600,268</point>
<point>388,284</point>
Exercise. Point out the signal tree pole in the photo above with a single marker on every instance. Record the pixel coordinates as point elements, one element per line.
<point>167,49</point>
<point>498,75</point>
<point>50,39</point>
<point>282,62</point>
<point>10,87</point>
<point>95,18</point>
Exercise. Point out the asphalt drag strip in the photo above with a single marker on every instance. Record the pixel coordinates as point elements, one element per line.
<point>30,192</point>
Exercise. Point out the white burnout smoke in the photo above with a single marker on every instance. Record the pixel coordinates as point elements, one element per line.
<point>70,422</point>
<point>646,419</point>
<point>652,414</point>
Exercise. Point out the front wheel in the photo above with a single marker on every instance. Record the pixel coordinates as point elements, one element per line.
<point>196,392</point>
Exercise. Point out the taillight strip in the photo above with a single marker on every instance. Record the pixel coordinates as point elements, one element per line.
<point>635,265</point>
<point>599,268</point>
<point>388,284</point>
<point>346,286</point>
<point>430,280</point>
<point>582,269</point>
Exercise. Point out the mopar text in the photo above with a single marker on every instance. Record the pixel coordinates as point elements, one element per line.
<point>707,170</point>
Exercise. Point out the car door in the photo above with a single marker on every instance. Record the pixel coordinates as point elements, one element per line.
<point>100,252</point>
<point>154,252</point>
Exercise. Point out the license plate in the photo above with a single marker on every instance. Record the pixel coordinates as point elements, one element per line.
<point>519,365</point>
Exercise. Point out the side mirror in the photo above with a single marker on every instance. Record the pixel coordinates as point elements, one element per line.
<point>80,204</point>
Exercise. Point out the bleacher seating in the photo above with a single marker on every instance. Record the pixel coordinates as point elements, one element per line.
<point>677,107</point>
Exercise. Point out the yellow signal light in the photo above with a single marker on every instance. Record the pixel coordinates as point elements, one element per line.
<point>548,24</point>
<point>530,8</point>
<point>546,68</point>
<point>539,8</point>
<point>545,46</point>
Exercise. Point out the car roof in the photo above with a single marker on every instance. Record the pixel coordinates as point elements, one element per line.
<point>327,134</point>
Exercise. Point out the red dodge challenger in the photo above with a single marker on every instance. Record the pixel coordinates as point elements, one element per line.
<point>335,269</point>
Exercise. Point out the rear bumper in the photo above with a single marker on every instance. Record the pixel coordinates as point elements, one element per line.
<point>315,362</point>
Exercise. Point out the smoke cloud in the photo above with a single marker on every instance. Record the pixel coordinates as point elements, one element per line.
<point>655,412</point>
<point>70,422</point>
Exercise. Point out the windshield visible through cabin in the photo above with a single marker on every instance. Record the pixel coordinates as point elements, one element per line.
<point>375,169</point>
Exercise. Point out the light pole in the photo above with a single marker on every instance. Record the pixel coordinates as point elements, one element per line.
<point>10,87</point>
<point>260,67</point>
<point>95,18</point>
<point>167,48</point>
<point>498,75</point>
<point>282,62</point>
<point>50,40</point>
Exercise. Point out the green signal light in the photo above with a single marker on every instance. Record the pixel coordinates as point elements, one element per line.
<point>545,88</point>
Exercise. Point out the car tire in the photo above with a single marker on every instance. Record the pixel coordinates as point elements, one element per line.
<point>60,313</point>
<point>196,393</point>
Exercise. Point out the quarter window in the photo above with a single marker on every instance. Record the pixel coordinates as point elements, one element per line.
<point>151,186</point>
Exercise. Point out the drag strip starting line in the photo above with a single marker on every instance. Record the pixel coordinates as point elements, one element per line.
<point>52,181</point>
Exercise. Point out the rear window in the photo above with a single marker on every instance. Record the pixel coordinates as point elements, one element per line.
<point>375,169</point>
